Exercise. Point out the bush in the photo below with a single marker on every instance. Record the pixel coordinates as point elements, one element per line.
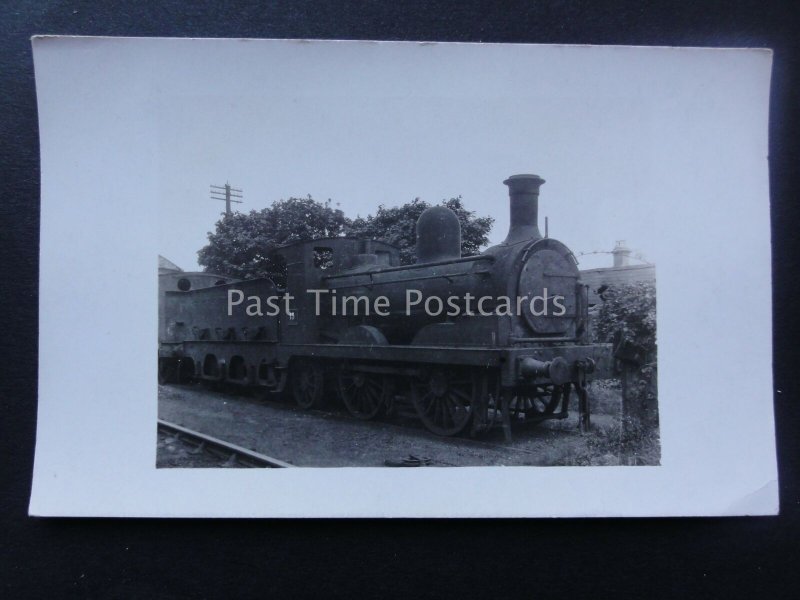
<point>631,310</point>
<point>628,312</point>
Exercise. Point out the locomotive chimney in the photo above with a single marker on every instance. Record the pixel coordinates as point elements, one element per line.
<point>523,191</point>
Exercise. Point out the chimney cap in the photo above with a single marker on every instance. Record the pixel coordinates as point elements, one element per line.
<point>621,246</point>
<point>524,178</point>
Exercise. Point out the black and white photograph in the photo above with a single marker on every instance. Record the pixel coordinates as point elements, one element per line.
<point>383,289</point>
<point>376,260</point>
<point>402,322</point>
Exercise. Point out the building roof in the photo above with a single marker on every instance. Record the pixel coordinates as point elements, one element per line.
<point>167,266</point>
<point>595,278</point>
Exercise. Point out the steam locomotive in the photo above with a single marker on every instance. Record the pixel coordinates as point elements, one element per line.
<point>462,342</point>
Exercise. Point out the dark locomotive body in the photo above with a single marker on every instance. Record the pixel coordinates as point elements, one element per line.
<point>467,366</point>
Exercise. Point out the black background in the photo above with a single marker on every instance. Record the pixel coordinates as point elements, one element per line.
<point>101,558</point>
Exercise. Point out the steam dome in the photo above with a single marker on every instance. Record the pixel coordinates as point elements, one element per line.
<point>438,235</point>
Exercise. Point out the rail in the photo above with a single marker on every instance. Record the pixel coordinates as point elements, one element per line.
<point>242,456</point>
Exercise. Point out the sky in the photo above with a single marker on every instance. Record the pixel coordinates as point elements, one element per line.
<point>365,124</point>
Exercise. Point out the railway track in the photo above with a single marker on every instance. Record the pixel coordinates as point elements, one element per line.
<point>235,455</point>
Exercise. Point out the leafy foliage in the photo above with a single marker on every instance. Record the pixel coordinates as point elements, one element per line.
<point>631,309</point>
<point>241,245</point>
<point>397,226</point>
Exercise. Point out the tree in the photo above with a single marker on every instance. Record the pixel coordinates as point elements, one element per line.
<point>397,225</point>
<point>242,244</point>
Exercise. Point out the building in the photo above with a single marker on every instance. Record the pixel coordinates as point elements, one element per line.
<point>622,272</point>
<point>172,278</point>
<point>167,266</point>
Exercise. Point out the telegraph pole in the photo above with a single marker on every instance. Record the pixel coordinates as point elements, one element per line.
<point>228,194</point>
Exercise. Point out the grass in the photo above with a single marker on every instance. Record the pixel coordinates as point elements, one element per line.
<point>605,397</point>
<point>614,445</point>
<point>611,443</point>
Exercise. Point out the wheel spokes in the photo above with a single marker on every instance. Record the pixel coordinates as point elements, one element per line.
<point>364,394</point>
<point>535,404</point>
<point>307,384</point>
<point>444,404</point>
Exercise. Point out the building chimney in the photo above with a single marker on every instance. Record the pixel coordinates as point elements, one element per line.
<point>523,191</point>
<point>622,254</point>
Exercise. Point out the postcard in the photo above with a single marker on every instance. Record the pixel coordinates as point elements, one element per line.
<point>319,278</point>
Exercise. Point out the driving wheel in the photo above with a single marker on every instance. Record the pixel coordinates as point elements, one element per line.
<point>444,400</point>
